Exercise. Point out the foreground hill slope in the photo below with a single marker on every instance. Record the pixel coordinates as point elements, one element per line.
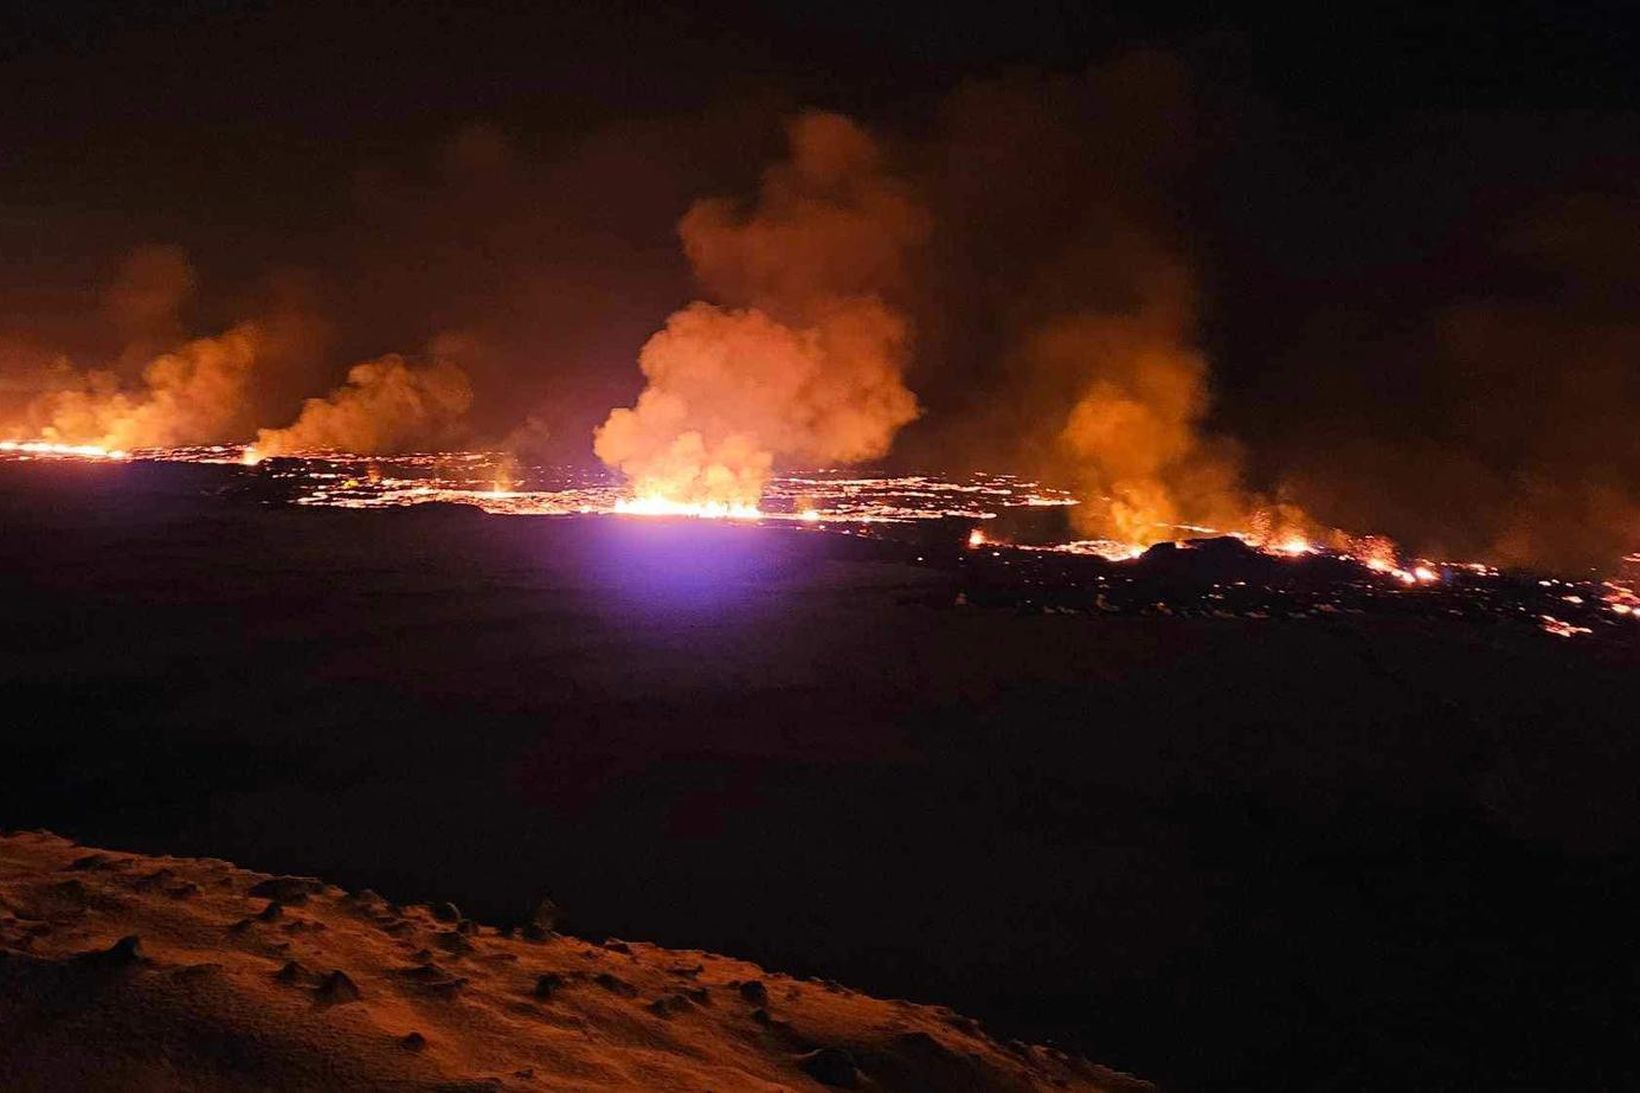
<point>119,971</point>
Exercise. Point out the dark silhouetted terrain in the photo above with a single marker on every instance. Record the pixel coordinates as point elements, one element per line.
<point>1218,853</point>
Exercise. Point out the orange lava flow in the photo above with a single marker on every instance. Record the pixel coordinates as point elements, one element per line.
<point>487,481</point>
<point>706,510</point>
<point>50,449</point>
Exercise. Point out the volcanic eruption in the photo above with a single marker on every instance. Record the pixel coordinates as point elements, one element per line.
<point>802,355</point>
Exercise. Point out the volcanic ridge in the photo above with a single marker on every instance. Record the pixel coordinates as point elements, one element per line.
<point>119,971</point>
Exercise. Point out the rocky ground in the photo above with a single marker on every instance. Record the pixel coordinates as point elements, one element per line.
<point>119,971</point>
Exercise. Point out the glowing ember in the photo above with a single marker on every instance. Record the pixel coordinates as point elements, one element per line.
<point>1621,600</point>
<point>1418,574</point>
<point>1562,629</point>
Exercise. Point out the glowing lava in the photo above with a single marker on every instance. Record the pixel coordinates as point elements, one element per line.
<point>707,510</point>
<point>51,449</point>
<point>1621,600</point>
<point>1561,628</point>
<point>495,483</point>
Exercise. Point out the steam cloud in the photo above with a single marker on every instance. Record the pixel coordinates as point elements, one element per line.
<point>803,357</point>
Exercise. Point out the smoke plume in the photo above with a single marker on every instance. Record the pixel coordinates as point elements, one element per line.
<point>801,357</point>
<point>1133,443</point>
<point>192,395</point>
<point>1134,281</point>
<point>386,405</point>
<point>1064,298</point>
<point>1508,432</point>
<point>145,302</point>
<point>157,387</point>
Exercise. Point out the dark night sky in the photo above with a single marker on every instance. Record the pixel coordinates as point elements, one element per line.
<point>243,115</point>
<point>1357,178</point>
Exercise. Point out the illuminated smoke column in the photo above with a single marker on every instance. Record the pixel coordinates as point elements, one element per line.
<point>1067,299</point>
<point>386,405</point>
<point>162,389</point>
<point>801,357</point>
<point>1133,442</point>
<point>193,395</point>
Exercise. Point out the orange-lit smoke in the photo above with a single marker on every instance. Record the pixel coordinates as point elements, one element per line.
<point>386,405</point>
<point>1065,300</point>
<point>145,301</point>
<point>1133,441</point>
<point>1513,438</point>
<point>192,395</point>
<point>160,388</point>
<point>801,357</point>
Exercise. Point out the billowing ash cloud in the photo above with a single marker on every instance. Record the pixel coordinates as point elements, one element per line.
<point>386,405</point>
<point>801,356</point>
